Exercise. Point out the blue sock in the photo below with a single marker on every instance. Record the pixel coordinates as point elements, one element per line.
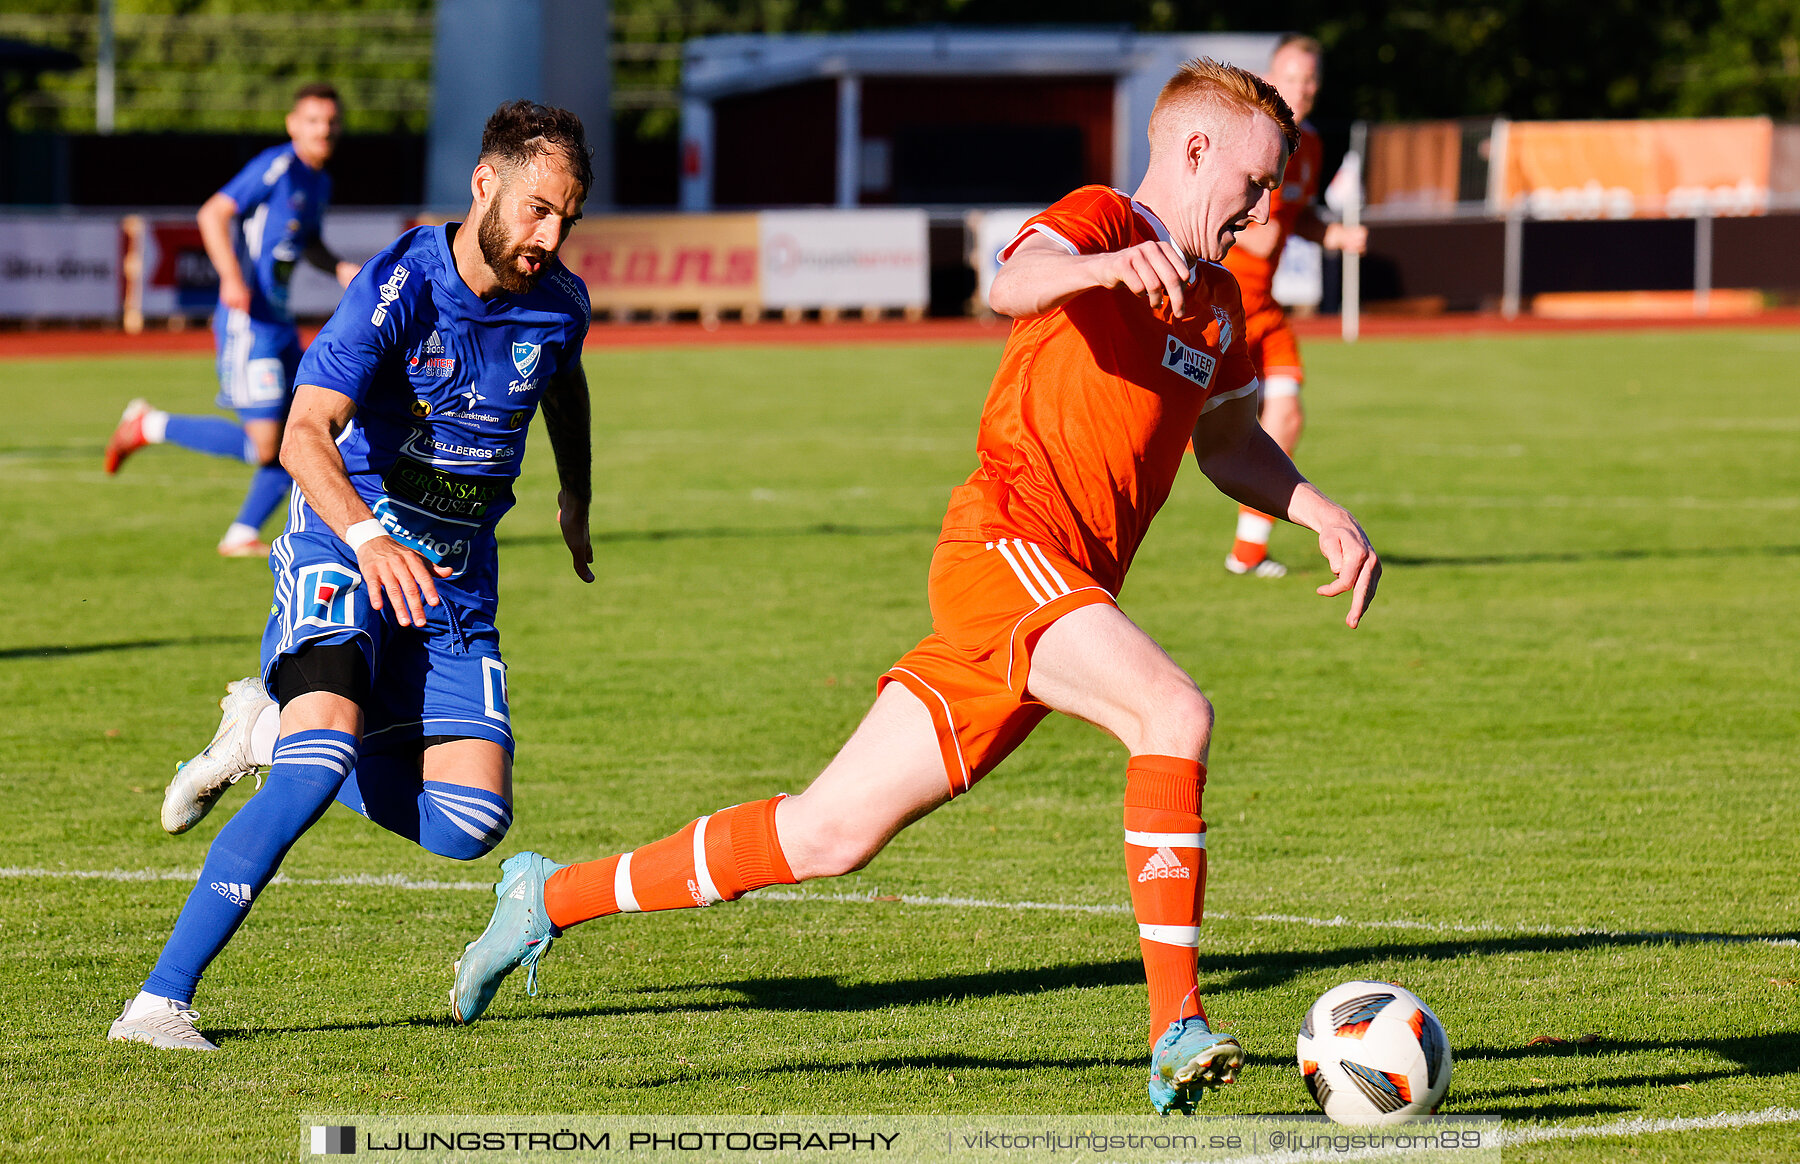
<point>268,489</point>
<point>210,434</point>
<point>447,819</point>
<point>308,768</point>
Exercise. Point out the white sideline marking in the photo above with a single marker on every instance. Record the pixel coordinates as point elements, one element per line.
<point>381,881</point>
<point>870,897</point>
<point>1640,1126</point>
<point>1555,501</point>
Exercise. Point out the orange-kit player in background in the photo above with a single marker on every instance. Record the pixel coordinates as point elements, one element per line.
<point>1294,69</point>
<point>1128,343</point>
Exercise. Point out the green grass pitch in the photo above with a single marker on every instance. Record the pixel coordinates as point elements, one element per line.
<point>1550,785</point>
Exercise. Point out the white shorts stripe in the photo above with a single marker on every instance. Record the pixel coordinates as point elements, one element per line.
<point>622,893</point>
<point>945,704</point>
<point>703,875</point>
<point>1056,580</point>
<point>1172,840</point>
<point>1171,935</point>
<point>1046,578</point>
<point>1031,588</point>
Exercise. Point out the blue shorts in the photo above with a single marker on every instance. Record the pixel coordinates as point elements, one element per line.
<point>257,363</point>
<point>444,679</point>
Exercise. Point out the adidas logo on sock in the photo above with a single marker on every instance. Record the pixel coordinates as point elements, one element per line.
<point>236,892</point>
<point>1164,865</point>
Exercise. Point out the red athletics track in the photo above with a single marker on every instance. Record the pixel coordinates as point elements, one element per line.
<point>53,342</point>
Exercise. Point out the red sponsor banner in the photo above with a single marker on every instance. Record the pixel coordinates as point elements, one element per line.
<point>1626,169</point>
<point>669,262</point>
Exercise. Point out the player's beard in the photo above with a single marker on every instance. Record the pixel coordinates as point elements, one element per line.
<point>502,257</point>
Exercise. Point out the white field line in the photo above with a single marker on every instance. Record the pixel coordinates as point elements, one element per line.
<point>1640,1126</point>
<point>399,881</point>
<point>1555,501</point>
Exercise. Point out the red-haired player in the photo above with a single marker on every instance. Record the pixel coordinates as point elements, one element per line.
<point>1129,343</point>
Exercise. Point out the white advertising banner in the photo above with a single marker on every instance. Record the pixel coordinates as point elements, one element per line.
<point>59,267</point>
<point>991,230</point>
<point>844,258</point>
<point>179,279</point>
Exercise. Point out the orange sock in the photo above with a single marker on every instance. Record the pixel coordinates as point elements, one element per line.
<point>716,858</point>
<point>1253,530</point>
<point>1165,858</point>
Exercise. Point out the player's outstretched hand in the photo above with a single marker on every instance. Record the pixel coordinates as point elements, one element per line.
<point>408,580</point>
<point>572,516</point>
<point>1154,270</point>
<point>1348,552</point>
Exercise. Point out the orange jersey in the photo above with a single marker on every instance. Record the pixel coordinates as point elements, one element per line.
<point>1091,411</point>
<point>1299,189</point>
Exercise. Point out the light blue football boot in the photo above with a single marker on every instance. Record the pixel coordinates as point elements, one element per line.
<point>518,935</point>
<point>1188,1059</point>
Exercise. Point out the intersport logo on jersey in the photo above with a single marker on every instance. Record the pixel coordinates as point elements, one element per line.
<point>1188,363</point>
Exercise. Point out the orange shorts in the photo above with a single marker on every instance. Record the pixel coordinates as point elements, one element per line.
<point>989,604</point>
<point>1272,343</point>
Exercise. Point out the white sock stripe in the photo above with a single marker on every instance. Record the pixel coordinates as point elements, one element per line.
<point>346,746</point>
<point>490,800</point>
<point>1171,935</point>
<point>1045,579</point>
<point>1025,581</point>
<point>622,894</point>
<point>1037,551</point>
<point>317,747</point>
<point>480,816</point>
<point>1173,840</point>
<point>341,767</point>
<point>703,875</point>
<point>301,752</point>
<point>468,827</point>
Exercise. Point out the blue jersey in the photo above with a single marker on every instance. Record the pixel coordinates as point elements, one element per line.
<point>280,207</point>
<point>445,385</point>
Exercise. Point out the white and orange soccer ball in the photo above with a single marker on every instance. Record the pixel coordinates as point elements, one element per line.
<point>1372,1053</point>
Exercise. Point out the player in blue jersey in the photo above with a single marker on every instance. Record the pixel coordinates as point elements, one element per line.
<point>256,230</point>
<point>404,441</point>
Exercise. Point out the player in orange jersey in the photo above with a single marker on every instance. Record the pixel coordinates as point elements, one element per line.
<point>1128,343</point>
<point>1294,71</point>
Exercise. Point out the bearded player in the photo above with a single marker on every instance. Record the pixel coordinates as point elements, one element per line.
<point>1294,70</point>
<point>1128,343</point>
<point>382,684</point>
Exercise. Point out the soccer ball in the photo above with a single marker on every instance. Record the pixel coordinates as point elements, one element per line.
<point>1372,1053</point>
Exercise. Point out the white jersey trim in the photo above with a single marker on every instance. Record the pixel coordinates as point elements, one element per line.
<point>1250,389</point>
<point>1035,228</point>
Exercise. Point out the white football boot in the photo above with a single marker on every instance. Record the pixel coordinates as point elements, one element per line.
<point>200,782</point>
<point>1267,568</point>
<point>169,1026</point>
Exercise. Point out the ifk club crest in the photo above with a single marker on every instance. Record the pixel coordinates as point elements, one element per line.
<point>525,357</point>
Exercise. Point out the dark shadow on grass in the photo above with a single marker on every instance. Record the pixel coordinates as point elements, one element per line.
<point>823,529</point>
<point>57,651</point>
<point>1617,555</point>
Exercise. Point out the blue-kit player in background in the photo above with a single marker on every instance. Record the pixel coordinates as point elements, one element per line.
<point>404,441</point>
<point>256,230</point>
